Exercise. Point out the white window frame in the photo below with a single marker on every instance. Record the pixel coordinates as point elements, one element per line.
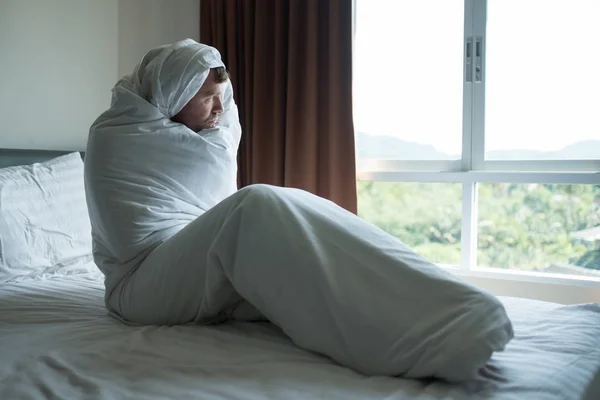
<point>473,169</point>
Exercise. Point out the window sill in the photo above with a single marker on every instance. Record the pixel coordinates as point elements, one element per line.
<point>525,276</point>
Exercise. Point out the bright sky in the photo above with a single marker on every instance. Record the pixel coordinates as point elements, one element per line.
<point>543,72</point>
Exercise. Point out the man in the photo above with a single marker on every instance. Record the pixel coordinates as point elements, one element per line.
<point>178,243</point>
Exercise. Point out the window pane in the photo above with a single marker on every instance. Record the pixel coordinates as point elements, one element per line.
<point>547,228</point>
<point>408,79</point>
<point>542,80</point>
<point>424,216</point>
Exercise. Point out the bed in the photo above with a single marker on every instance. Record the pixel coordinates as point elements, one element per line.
<point>57,341</point>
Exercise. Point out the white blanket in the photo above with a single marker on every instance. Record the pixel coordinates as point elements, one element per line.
<point>178,245</point>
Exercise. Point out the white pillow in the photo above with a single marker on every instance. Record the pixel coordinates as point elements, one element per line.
<point>44,223</point>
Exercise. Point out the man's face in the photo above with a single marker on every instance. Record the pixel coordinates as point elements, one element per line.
<point>203,110</point>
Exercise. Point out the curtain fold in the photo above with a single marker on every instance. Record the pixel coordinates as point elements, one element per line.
<point>291,68</point>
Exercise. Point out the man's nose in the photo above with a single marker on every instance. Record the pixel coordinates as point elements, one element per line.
<point>218,107</point>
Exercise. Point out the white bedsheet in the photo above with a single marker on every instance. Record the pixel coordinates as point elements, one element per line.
<point>56,341</point>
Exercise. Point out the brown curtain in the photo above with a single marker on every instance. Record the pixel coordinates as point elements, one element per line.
<point>291,69</point>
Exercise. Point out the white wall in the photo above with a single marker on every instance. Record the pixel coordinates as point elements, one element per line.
<point>145,24</point>
<point>58,62</point>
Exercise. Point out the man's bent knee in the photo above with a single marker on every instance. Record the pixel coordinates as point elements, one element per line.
<point>262,192</point>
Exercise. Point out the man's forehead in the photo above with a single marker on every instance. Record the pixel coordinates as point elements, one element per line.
<point>211,86</point>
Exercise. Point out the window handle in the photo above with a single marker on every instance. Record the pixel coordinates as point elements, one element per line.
<point>478,59</point>
<point>469,60</point>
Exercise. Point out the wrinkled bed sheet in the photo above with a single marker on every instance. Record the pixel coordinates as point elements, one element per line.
<point>57,341</point>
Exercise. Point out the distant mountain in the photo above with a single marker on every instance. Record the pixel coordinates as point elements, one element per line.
<point>585,150</point>
<point>389,147</point>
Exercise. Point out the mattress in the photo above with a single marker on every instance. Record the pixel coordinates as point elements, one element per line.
<point>57,341</point>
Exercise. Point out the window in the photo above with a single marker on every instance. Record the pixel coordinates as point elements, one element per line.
<point>542,64</point>
<point>478,131</point>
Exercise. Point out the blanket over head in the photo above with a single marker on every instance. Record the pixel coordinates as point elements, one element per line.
<point>189,172</point>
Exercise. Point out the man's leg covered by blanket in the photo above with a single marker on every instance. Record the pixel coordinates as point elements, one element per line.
<point>334,283</point>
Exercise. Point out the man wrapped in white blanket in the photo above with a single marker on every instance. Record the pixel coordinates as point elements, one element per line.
<point>178,243</point>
